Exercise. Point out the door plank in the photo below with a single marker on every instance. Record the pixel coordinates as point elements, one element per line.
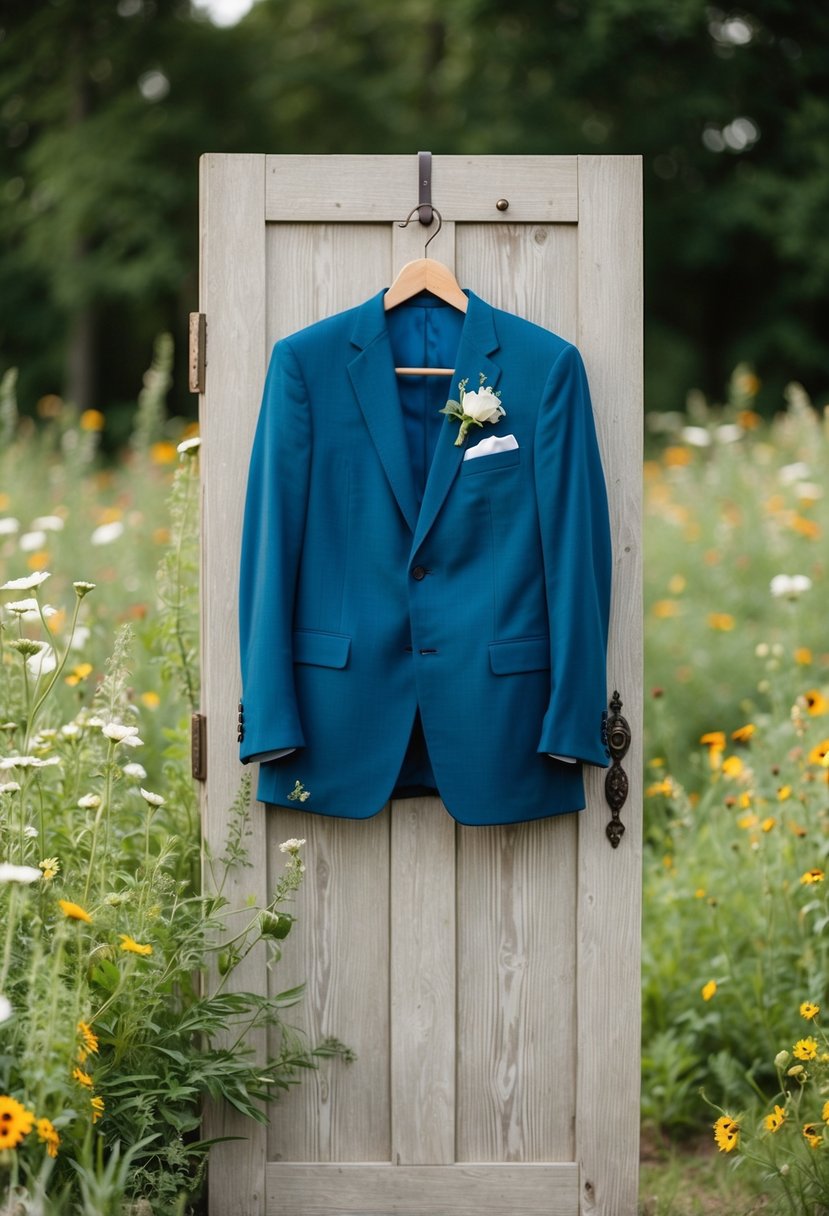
<point>232,295</point>
<point>422,983</point>
<point>454,1190</point>
<point>340,948</point>
<point>609,880</point>
<point>539,189</point>
<point>516,991</point>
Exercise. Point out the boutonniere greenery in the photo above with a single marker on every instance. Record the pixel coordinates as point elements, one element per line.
<point>475,408</point>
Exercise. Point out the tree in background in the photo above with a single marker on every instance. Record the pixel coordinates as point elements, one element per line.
<point>106,105</point>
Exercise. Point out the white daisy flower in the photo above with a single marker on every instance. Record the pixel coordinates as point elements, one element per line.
<point>9,525</point>
<point>31,541</point>
<point>47,523</point>
<point>70,730</point>
<point>790,473</point>
<point>27,609</point>
<point>21,874</point>
<point>89,802</point>
<point>729,432</point>
<point>697,436</point>
<point>28,583</point>
<point>789,586</point>
<point>134,770</point>
<point>150,798</point>
<point>189,445</point>
<point>80,637</point>
<point>105,534</point>
<point>9,787</point>
<point>291,846</point>
<point>119,733</point>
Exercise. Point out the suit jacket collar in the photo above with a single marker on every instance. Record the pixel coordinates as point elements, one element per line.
<point>375,383</point>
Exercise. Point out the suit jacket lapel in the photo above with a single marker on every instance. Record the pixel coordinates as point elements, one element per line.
<point>372,374</point>
<point>375,383</point>
<point>478,341</point>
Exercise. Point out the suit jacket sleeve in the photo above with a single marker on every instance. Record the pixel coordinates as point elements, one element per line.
<point>575,539</point>
<point>272,537</point>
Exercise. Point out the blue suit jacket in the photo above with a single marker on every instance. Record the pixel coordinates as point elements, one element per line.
<point>411,621</point>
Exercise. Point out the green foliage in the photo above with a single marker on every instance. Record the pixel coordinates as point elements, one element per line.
<point>737,812</point>
<point>105,111</point>
<point>117,1018</point>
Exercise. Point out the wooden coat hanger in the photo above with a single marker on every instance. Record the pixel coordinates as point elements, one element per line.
<point>425,274</point>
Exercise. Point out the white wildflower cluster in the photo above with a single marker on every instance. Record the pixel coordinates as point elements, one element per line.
<point>790,586</point>
<point>291,846</point>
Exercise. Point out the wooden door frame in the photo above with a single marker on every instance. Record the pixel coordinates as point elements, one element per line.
<point>240,194</point>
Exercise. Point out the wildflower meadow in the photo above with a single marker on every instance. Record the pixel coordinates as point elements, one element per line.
<point>115,1022</point>
<point>736,954</point>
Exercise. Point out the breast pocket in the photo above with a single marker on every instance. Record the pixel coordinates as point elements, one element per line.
<point>495,462</point>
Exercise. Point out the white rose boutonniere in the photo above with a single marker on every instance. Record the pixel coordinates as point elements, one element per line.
<point>475,408</point>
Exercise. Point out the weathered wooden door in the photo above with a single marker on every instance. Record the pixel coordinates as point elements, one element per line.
<point>487,978</point>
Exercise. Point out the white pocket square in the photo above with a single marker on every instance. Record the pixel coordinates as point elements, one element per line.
<point>492,443</point>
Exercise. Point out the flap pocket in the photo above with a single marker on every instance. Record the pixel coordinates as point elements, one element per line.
<point>321,649</point>
<point>495,460</point>
<point>523,654</point>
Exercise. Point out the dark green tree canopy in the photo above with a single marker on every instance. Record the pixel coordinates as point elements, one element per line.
<point>106,105</point>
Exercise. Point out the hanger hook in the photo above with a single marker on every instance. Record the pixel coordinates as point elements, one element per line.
<point>404,223</point>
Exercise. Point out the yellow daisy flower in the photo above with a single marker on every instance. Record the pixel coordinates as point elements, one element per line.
<point>708,990</point>
<point>805,1049</point>
<point>775,1120</point>
<point>83,1078</point>
<point>726,1133</point>
<point>97,1104</point>
<point>809,1010</point>
<point>743,733</point>
<point>90,1039</point>
<point>133,947</point>
<point>811,1135</point>
<point>812,876</point>
<point>48,1135</point>
<point>74,911</point>
<point>15,1122</point>
<point>816,703</point>
<point>819,752</point>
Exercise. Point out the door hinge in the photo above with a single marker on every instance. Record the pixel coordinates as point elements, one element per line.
<point>196,360</point>
<point>198,747</point>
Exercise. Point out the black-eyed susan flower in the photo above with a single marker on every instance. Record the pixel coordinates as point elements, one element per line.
<point>743,733</point>
<point>816,703</point>
<point>784,792</point>
<point>47,1134</point>
<point>811,877</point>
<point>97,1104</point>
<point>726,1133</point>
<point>768,823</point>
<point>774,1121</point>
<point>708,990</point>
<point>809,1010</point>
<point>15,1122</point>
<point>74,911</point>
<point>83,1078</point>
<point>805,1049</point>
<point>132,946</point>
<point>819,752</point>
<point>811,1135</point>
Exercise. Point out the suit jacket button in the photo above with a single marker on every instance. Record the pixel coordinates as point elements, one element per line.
<point>418,573</point>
